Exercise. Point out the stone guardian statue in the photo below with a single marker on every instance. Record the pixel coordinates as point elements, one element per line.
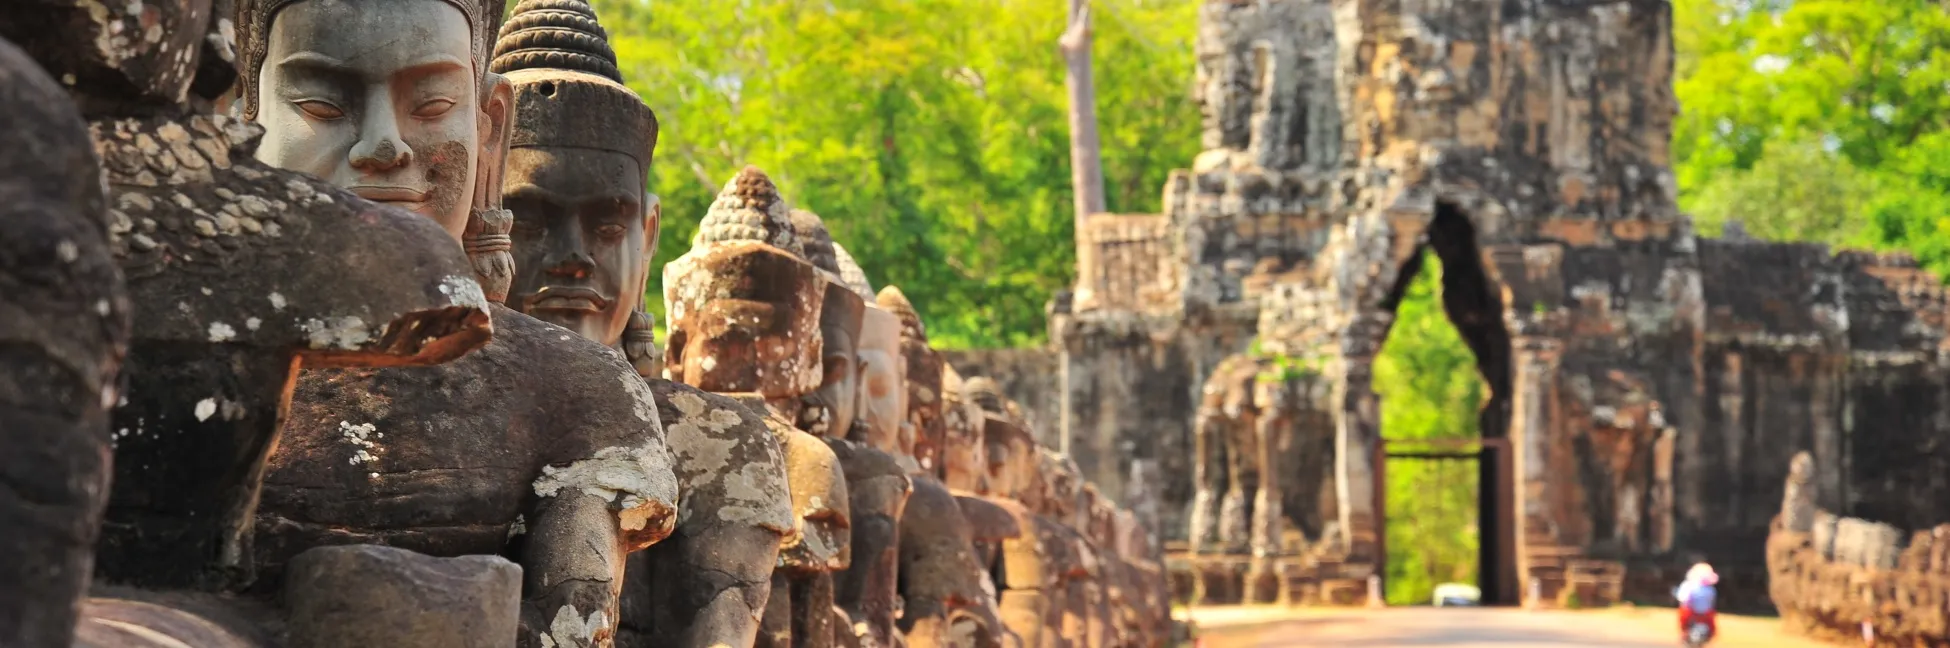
<point>584,235</point>
<point>543,446</point>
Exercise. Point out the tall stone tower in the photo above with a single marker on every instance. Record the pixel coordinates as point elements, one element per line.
<point>1647,386</point>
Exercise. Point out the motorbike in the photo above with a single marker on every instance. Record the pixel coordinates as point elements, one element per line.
<point>1698,633</point>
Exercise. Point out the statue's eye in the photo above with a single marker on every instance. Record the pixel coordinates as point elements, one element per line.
<point>320,109</point>
<point>611,231</point>
<point>527,227</point>
<point>433,108</point>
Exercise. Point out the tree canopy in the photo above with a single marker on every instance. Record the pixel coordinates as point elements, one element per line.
<point>1816,120</point>
<point>929,134</point>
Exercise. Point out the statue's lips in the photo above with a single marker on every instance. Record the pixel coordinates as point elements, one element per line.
<point>396,196</point>
<point>567,298</point>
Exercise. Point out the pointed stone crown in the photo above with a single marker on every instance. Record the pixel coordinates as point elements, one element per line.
<point>895,301</point>
<point>817,240</point>
<point>851,274</point>
<point>568,89</point>
<point>750,209</point>
<point>555,35</point>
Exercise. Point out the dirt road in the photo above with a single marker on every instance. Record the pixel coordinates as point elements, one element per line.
<point>1273,627</point>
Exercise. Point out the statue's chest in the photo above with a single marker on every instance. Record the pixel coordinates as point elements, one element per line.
<point>415,447</point>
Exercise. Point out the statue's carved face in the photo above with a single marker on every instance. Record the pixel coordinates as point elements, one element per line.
<point>380,97</point>
<point>839,385</point>
<point>583,237</point>
<point>744,317</point>
<point>883,381</point>
<point>964,456</point>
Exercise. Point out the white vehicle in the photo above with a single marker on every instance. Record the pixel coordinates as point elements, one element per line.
<point>1457,594</point>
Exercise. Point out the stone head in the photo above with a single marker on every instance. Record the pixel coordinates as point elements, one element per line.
<point>833,408</point>
<point>923,377</point>
<point>963,454</point>
<point>744,312</point>
<point>1801,469</point>
<point>883,383</point>
<point>579,152</point>
<point>1061,481</point>
<point>125,58</point>
<point>391,99</point>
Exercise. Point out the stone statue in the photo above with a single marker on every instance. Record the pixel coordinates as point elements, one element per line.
<point>220,253</point>
<point>921,432</point>
<point>1030,562</point>
<point>1798,497</point>
<point>1224,470</point>
<point>584,236</point>
<point>542,445</point>
<point>1068,554</point>
<point>745,311</point>
<point>830,410</point>
<point>948,597</point>
<point>877,480</point>
<point>964,454</point>
<point>64,328</point>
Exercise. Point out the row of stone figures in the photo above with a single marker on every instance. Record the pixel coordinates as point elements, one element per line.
<point>1263,437</point>
<point>253,393</point>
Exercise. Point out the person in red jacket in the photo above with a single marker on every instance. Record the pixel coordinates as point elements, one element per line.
<point>1697,597</point>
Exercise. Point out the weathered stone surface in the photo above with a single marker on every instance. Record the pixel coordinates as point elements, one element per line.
<point>946,591</point>
<point>1849,572</point>
<point>707,583</point>
<point>369,595</point>
<point>64,329</point>
<point>398,458</point>
<point>1652,384</point>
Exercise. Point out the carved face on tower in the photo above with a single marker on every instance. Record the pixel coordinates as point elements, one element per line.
<point>388,98</point>
<point>580,150</point>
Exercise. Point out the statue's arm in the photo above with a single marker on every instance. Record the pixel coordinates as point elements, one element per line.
<point>572,573</point>
<point>729,569</point>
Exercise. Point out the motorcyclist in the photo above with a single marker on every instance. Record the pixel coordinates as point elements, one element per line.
<point>1697,597</point>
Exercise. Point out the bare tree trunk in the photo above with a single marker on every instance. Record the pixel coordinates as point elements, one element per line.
<point>1086,164</point>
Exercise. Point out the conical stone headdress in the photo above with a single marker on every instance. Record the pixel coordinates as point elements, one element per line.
<point>254,18</point>
<point>568,91</point>
<point>750,209</point>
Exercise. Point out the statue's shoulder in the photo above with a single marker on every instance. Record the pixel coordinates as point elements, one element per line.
<point>727,459</point>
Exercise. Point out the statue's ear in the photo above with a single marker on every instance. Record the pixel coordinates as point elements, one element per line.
<point>497,123</point>
<point>653,225</point>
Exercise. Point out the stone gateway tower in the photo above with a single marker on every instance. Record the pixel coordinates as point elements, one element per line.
<point>1646,386</point>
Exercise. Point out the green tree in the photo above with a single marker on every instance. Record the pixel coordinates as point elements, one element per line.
<point>929,134</point>
<point>1815,120</point>
<point>1430,389</point>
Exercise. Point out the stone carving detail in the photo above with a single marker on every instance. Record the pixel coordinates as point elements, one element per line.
<point>585,232</point>
<point>326,394</point>
<point>578,457</point>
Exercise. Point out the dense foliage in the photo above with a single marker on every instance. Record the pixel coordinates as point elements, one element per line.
<point>930,134</point>
<point>1817,120</point>
<point>1429,389</point>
